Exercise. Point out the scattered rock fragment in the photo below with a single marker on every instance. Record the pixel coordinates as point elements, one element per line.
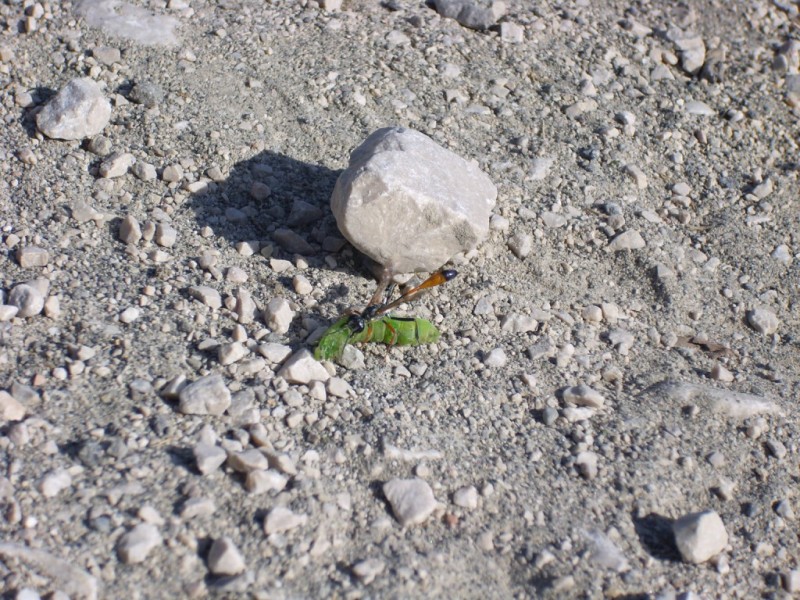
<point>207,396</point>
<point>55,482</point>
<point>29,257</point>
<point>471,13</point>
<point>116,164</point>
<point>445,201</point>
<point>79,110</point>
<point>700,536</point>
<point>124,20</point>
<point>627,240</point>
<point>583,395</point>
<point>207,295</point>
<point>367,570</point>
<point>129,230</point>
<point>466,497</point>
<point>281,519</point>
<point>67,577</point>
<point>278,315</point>
<point>27,298</point>
<point>302,368</point>
<point>134,546</point>
<point>11,409</point>
<point>763,320</point>
<point>208,457</point>
<point>146,93</point>
<point>412,500</point>
<point>224,558</point>
<point>733,404</point>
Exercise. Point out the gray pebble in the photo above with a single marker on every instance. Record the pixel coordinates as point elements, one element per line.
<point>206,396</point>
<point>135,545</point>
<point>147,93</point>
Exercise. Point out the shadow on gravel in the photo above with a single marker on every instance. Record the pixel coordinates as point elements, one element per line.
<point>277,201</point>
<point>40,96</point>
<point>655,534</point>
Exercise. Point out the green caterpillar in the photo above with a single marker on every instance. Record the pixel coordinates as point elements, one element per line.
<point>373,325</point>
<point>355,329</point>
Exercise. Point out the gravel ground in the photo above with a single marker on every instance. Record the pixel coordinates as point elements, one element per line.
<point>623,351</point>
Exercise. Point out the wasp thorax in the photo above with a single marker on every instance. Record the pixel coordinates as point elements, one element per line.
<point>356,323</point>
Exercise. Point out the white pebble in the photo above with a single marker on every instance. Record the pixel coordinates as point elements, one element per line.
<point>206,396</point>
<point>129,315</point>
<point>260,482</point>
<point>278,315</point>
<point>627,240</point>
<point>700,536</point>
<point>412,500</point>
<point>496,358</point>
<point>763,320</point>
<point>583,395</point>
<point>224,558</point>
<point>54,482</point>
<point>466,497</point>
<point>134,546</point>
<point>208,457</point>
<point>281,519</point>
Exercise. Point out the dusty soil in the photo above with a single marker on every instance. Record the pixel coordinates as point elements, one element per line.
<point>571,502</point>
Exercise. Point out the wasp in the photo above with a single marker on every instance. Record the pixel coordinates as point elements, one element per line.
<point>374,325</point>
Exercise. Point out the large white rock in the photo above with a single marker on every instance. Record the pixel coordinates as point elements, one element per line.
<point>410,204</point>
<point>79,110</point>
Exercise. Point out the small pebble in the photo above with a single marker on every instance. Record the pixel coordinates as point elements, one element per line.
<point>700,536</point>
<point>627,240</point>
<point>116,164</point>
<point>129,315</point>
<point>27,298</point>
<point>495,358</point>
<point>278,315</point>
<point>129,230</point>
<point>466,497</point>
<point>207,396</point>
<point>583,395</point>
<point>207,295</point>
<point>135,545</point>
<point>29,257</point>
<point>368,570</point>
<point>587,464</point>
<point>763,320</point>
<point>412,500</point>
<point>208,457</point>
<point>11,409</point>
<point>224,558</point>
<point>281,519</point>
<point>55,482</point>
<point>261,482</point>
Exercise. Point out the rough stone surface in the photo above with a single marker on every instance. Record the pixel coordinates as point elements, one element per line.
<point>445,201</point>
<point>700,536</point>
<point>471,13</point>
<point>763,320</point>
<point>123,20</point>
<point>134,546</point>
<point>207,396</point>
<point>302,368</point>
<point>79,110</point>
<point>412,500</point>
<point>224,558</point>
<point>27,298</point>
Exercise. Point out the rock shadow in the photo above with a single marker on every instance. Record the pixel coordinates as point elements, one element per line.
<point>277,201</point>
<point>655,535</point>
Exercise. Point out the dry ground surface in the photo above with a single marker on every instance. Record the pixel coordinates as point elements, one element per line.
<point>592,127</point>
